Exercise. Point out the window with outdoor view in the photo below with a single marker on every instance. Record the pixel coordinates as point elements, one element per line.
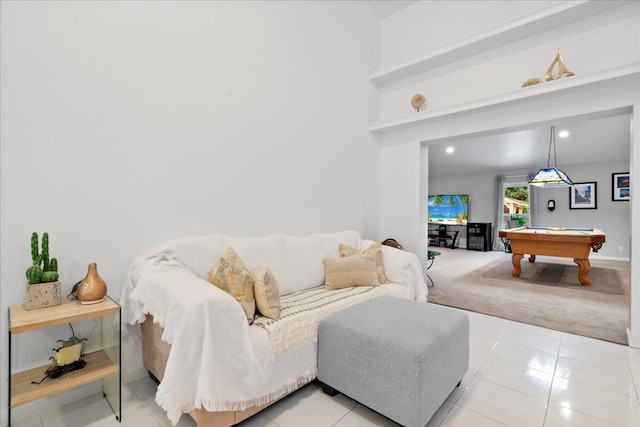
<point>516,205</point>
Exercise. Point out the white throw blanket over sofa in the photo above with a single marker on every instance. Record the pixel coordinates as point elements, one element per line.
<point>218,362</point>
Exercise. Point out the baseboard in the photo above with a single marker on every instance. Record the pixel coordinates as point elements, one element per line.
<point>632,340</point>
<point>609,258</point>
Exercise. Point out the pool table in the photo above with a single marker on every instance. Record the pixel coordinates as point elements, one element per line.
<point>573,243</point>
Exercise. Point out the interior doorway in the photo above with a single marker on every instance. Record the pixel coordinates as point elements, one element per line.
<point>435,145</point>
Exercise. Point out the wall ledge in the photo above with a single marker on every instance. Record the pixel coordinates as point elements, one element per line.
<point>538,92</point>
<point>535,23</point>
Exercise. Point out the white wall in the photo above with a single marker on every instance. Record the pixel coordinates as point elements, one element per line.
<point>125,124</point>
<point>481,188</point>
<point>430,25</point>
<point>614,218</point>
<point>401,205</point>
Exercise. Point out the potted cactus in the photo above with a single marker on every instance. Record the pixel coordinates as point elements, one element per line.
<point>43,287</point>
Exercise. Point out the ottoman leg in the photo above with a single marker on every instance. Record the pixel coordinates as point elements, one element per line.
<point>328,389</point>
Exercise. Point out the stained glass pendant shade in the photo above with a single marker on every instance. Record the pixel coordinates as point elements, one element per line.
<point>550,177</point>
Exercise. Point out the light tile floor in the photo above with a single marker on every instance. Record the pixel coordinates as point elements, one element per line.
<point>519,375</point>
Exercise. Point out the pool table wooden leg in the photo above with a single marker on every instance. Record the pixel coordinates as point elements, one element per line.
<point>515,260</point>
<point>585,266</point>
<point>532,258</point>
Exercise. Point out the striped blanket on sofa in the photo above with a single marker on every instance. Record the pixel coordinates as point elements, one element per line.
<point>301,311</point>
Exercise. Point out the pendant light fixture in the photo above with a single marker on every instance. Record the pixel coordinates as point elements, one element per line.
<point>551,176</point>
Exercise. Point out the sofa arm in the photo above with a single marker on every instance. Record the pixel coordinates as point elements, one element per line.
<point>163,287</point>
<point>404,268</point>
<point>212,357</point>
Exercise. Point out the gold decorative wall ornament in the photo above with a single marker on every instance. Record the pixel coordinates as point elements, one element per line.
<point>562,71</point>
<point>417,101</point>
<point>531,82</point>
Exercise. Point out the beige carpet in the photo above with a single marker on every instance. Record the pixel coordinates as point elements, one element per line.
<point>547,294</point>
<point>603,280</point>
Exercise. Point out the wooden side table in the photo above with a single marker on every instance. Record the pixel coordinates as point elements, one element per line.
<point>103,364</point>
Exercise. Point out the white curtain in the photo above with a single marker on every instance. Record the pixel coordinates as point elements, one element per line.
<point>501,183</point>
<point>533,199</point>
<point>499,222</point>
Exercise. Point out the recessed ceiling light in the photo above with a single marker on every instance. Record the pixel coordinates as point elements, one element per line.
<point>563,134</point>
<point>450,150</point>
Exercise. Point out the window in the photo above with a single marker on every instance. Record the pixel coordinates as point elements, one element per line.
<point>516,205</point>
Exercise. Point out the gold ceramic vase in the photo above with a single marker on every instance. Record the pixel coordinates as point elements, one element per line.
<point>92,289</point>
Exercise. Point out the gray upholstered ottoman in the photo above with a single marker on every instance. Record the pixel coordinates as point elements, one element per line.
<point>400,358</point>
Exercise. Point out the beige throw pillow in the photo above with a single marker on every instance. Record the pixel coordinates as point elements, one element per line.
<point>357,270</point>
<point>232,276</point>
<point>267,293</point>
<point>374,250</point>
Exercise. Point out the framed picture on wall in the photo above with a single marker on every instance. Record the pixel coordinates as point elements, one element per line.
<point>621,190</point>
<point>582,195</point>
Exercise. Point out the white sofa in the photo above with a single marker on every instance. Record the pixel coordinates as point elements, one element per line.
<point>219,368</point>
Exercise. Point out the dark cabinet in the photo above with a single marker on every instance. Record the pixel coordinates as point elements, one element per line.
<point>479,236</point>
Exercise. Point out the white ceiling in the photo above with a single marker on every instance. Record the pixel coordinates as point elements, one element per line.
<point>598,139</point>
<point>386,8</point>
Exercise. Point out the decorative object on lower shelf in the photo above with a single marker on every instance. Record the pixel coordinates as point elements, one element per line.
<point>69,351</point>
<point>417,101</point>
<point>67,358</point>
<point>43,287</point>
<point>92,289</point>
<point>55,371</point>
